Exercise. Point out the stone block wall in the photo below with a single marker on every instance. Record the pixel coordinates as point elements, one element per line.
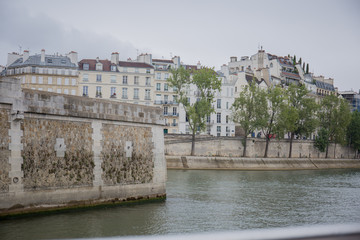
<point>4,149</point>
<point>180,145</point>
<point>56,153</point>
<point>59,149</point>
<point>127,156</point>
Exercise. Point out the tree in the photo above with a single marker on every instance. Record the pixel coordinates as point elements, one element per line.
<point>206,83</point>
<point>298,115</point>
<point>307,68</point>
<point>248,109</point>
<point>334,115</point>
<point>270,120</point>
<point>353,131</point>
<point>303,66</point>
<point>322,139</point>
<point>294,60</point>
<point>300,61</point>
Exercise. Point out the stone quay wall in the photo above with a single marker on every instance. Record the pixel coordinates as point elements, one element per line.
<point>226,153</point>
<point>59,150</point>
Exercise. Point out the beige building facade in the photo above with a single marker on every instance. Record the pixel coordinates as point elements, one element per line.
<point>52,73</point>
<point>125,81</point>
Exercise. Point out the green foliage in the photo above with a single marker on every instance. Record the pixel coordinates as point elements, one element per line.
<point>353,131</point>
<point>298,114</point>
<point>307,68</point>
<point>303,66</point>
<point>206,83</point>
<point>300,61</point>
<point>249,108</point>
<point>322,140</point>
<point>334,115</point>
<point>294,60</point>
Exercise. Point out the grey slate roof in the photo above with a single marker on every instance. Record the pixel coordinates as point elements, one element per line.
<point>50,61</point>
<point>325,86</point>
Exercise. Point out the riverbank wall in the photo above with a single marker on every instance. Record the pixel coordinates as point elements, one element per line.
<point>236,163</point>
<point>226,152</point>
<point>60,150</point>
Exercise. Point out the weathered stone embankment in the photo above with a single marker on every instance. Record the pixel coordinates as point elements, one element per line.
<point>236,163</point>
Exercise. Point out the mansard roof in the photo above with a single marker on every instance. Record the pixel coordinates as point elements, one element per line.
<point>163,60</point>
<point>324,85</point>
<point>291,75</point>
<point>134,64</point>
<point>50,61</point>
<point>92,64</point>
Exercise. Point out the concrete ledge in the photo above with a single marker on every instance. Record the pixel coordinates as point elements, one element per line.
<point>195,162</point>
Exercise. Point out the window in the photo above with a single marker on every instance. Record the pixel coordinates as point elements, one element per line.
<point>73,81</point>
<point>218,103</point>
<point>49,60</point>
<point>166,99</point>
<point>73,92</point>
<point>66,72</point>
<point>136,70</point>
<point>147,82</point>
<point>147,70</point>
<point>175,98</point>
<point>98,77</point>
<point>158,76</point>
<point>124,93</point>
<point>49,89</point>
<point>165,111</point>
<point>99,67</point>
<point>166,87</point>
<point>125,78</point>
<point>85,90</point>
<point>113,68</point>
<point>218,117</point>
<point>136,93</point>
<point>271,65</point>
<point>166,76</point>
<point>218,128</point>
<point>174,111</point>
<point>58,81</point>
<point>23,79</point>
<point>66,81</point>
<point>227,105</point>
<point>147,94</point>
<point>113,78</point>
<point>33,79</point>
<point>33,69</point>
<point>66,91</point>
<point>98,92</point>
<point>235,89</point>
<point>58,71</point>
<point>86,77</point>
<point>136,79</point>
<point>40,88</point>
<point>174,122</point>
<point>125,69</point>
<point>86,66</point>
<point>50,71</point>
<point>158,86</point>
<point>174,88</point>
<point>58,90</point>
<point>208,118</point>
<point>227,118</point>
<point>113,91</point>
<point>40,70</point>
<point>41,80</point>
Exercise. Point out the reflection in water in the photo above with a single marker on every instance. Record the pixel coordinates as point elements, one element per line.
<point>212,200</point>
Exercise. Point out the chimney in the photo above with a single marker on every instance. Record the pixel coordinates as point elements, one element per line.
<point>233,59</point>
<point>42,59</point>
<point>25,55</point>
<point>115,58</point>
<point>176,61</point>
<point>73,57</point>
<point>198,65</point>
<point>145,58</point>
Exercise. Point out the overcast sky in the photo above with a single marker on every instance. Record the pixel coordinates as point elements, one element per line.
<point>325,34</point>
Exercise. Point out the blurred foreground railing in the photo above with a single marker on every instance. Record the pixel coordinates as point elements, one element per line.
<point>332,232</point>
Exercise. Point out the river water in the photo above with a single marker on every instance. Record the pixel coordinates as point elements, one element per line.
<point>212,200</point>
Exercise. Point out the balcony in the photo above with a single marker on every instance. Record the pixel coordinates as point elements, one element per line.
<point>113,95</point>
<point>158,102</point>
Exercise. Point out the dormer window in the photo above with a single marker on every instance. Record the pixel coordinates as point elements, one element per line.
<point>113,68</point>
<point>63,61</point>
<point>49,60</point>
<point>99,67</point>
<point>86,66</point>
